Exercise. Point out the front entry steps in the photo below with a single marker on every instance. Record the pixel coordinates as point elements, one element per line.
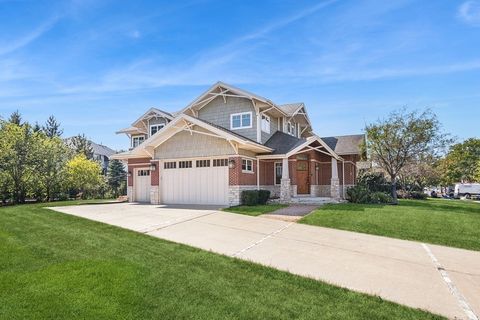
<point>307,199</point>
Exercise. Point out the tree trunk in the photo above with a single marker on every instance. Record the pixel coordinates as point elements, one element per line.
<point>394,189</point>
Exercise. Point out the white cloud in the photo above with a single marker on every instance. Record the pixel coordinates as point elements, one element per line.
<point>28,38</point>
<point>469,12</point>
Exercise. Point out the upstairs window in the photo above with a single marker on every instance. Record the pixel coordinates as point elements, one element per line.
<point>137,140</point>
<point>154,128</point>
<point>241,120</point>
<point>265,123</point>
<point>291,129</point>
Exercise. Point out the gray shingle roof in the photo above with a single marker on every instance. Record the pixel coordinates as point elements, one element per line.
<point>290,108</point>
<point>345,144</point>
<point>283,143</point>
<point>101,149</point>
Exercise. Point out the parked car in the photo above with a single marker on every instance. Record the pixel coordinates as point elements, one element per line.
<point>467,190</point>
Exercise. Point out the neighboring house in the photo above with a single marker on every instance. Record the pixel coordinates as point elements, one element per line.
<point>229,140</point>
<point>101,154</point>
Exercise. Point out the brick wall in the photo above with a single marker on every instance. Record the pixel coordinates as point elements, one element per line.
<point>155,175</point>
<point>135,163</point>
<point>238,178</point>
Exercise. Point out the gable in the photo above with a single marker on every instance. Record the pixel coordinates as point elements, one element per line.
<point>185,144</point>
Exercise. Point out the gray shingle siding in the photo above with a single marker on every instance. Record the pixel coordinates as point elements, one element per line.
<point>218,112</point>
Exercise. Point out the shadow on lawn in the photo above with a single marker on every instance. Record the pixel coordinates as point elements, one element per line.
<point>442,205</point>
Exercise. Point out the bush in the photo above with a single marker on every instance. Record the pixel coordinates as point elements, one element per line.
<point>254,197</point>
<point>416,195</point>
<point>263,196</point>
<point>374,182</point>
<point>380,198</point>
<point>358,194</point>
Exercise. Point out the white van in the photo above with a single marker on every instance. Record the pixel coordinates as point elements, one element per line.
<point>467,190</point>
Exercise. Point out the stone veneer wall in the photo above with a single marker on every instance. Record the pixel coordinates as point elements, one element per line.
<point>235,194</point>
<point>130,193</point>
<point>154,195</point>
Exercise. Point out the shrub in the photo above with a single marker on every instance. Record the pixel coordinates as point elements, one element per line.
<point>263,196</point>
<point>374,182</point>
<point>411,195</point>
<point>358,194</point>
<point>254,197</point>
<point>380,198</point>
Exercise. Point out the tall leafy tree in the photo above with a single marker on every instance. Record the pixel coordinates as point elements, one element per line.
<point>404,138</point>
<point>52,127</point>
<point>15,118</point>
<point>84,175</point>
<point>116,176</point>
<point>81,145</point>
<point>18,157</point>
<point>460,164</point>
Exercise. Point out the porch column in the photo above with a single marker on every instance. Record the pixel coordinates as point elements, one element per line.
<point>334,182</point>
<point>285,190</point>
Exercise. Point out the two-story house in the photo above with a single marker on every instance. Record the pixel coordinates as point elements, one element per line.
<point>228,140</point>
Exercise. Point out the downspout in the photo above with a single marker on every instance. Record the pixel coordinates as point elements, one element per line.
<point>258,174</point>
<point>343,178</point>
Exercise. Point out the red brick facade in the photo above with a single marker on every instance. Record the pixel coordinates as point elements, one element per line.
<point>238,178</point>
<point>155,175</point>
<point>135,163</point>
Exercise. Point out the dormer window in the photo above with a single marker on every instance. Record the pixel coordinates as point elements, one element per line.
<point>265,123</point>
<point>137,140</point>
<point>291,129</point>
<point>241,120</point>
<point>154,128</point>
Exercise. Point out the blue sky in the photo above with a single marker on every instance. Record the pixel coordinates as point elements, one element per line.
<point>98,65</point>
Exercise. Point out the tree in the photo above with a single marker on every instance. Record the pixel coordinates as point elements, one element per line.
<point>15,118</point>
<point>404,138</point>
<point>477,173</point>
<point>460,164</point>
<point>50,170</point>
<point>18,157</point>
<point>116,176</point>
<point>84,175</point>
<point>81,145</point>
<point>52,128</point>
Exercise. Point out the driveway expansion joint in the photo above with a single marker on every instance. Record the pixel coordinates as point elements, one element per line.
<point>451,286</point>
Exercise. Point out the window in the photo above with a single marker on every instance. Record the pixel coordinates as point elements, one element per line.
<point>241,120</point>
<point>137,140</point>
<point>220,162</point>
<point>169,165</point>
<point>291,129</point>
<point>202,163</point>
<point>247,165</point>
<point>143,173</point>
<point>265,123</point>
<point>278,172</point>
<point>154,128</point>
<point>184,164</point>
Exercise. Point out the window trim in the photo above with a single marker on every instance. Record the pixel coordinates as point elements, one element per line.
<point>137,136</point>
<point>241,122</point>
<point>161,125</point>
<point>275,173</point>
<point>246,166</point>
<point>268,120</point>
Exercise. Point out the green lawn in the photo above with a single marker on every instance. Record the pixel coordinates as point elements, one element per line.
<point>255,210</point>
<point>447,222</point>
<point>57,266</point>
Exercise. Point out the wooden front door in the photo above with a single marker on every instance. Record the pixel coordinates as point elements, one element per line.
<point>303,177</point>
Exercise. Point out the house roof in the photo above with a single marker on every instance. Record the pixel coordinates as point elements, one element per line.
<point>350,144</point>
<point>102,150</point>
<point>283,143</point>
<point>157,111</point>
<point>291,108</point>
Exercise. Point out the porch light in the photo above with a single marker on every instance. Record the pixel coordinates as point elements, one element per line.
<point>231,164</point>
<point>153,166</point>
<point>129,174</point>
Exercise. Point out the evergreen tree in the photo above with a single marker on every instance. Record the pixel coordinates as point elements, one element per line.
<point>52,127</point>
<point>15,118</point>
<point>116,177</point>
<point>81,145</point>
<point>36,127</point>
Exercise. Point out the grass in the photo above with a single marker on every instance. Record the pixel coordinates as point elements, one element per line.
<point>255,210</point>
<point>57,266</point>
<point>438,221</point>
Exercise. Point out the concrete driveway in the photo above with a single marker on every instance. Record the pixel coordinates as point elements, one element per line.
<point>439,279</point>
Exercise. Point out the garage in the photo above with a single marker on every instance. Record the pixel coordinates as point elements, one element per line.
<point>195,181</point>
<point>142,185</point>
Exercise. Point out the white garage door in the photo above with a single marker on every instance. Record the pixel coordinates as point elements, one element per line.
<point>142,185</point>
<point>197,181</point>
